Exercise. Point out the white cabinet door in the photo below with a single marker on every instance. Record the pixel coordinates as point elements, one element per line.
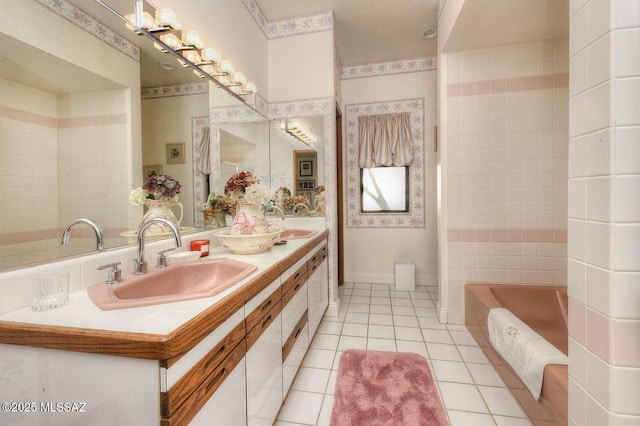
<point>74,388</point>
<point>227,406</point>
<point>318,296</point>
<point>264,375</point>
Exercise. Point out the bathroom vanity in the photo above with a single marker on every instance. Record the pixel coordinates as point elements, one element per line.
<point>228,359</point>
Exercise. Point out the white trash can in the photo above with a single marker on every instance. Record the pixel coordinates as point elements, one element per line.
<point>405,272</point>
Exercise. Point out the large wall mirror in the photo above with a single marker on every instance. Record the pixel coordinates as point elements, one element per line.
<point>75,132</point>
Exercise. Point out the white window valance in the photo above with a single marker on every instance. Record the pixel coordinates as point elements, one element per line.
<point>385,140</point>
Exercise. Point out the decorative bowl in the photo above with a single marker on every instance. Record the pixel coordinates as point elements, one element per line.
<point>249,244</point>
<point>184,256</point>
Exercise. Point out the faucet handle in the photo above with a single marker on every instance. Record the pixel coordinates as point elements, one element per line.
<point>114,274</point>
<point>161,260</point>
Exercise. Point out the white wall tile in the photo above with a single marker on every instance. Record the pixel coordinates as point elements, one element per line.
<point>598,20</point>
<point>626,13</point>
<point>627,46</point>
<point>625,295</point>
<point>627,198</point>
<point>599,247</point>
<point>627,101</point>
<point>626,247</point>
<point>578,31</point>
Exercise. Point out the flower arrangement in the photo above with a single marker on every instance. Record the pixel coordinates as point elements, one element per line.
<point>157,187</point>
<point>319,190</point>
<point>257,194</point>
<point>218,203</point>
<point>290,202</point>
<point>239,182</point>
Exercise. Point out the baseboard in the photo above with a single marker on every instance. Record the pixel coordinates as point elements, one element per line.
<point>442,313</point>
<point>358,277</point>
<point>334,308</point>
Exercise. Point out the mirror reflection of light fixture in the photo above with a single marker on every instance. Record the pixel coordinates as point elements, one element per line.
<point>295,129</point>
<point>165,28</point>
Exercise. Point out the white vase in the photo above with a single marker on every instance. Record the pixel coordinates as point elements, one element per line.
<point>249,220</point>
<point>160,208</point>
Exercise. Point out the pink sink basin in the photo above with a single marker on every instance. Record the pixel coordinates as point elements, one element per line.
<point>180,281</point>
<point>294,234</point>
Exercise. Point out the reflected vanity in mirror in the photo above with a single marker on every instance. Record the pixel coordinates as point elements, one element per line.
<point>83,114</point>
<point>75,132</point>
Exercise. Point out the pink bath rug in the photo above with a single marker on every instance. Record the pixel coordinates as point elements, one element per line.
<point>386,388</point>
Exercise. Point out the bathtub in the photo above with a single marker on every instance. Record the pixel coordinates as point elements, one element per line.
<point>544,309</point>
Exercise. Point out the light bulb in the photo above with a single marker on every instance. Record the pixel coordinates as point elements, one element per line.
<point>227,67</point>
<point>168,18</point>
<point>209,54</point>
<point>171,40</point>
<point>250,87</point>
<point>191,55</point>
<point>192,38</point>
<point>239,77</point>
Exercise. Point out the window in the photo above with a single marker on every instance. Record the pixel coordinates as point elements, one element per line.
<point>384,189</point>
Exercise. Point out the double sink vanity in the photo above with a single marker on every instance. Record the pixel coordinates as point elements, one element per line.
<point>214,341</point>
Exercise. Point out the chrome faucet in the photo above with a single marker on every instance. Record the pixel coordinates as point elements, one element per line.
<point>266,208</point>
<point>92,224</point>
<point>140,265</point>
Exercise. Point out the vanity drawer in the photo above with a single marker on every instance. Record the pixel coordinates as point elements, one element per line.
<point>294,303</point>
<point>182,390</point>
<point>295,335</point>
<point>255,317</point>
<point>263,324</point>
<point>199,397</point>
<point>316,259</point>
<point>298,275</point>
<point>288,294</point>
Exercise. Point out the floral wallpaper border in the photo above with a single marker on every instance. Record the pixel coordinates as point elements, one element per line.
<point>75,15</point>
<point>427,63</point>
<point>292,26</point>
<point>301,108</point>
<point>176,90</point>
<point>415,218</point>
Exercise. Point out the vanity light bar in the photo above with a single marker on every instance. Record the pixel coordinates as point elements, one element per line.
<point>295,129</point>
<point>165,28</point>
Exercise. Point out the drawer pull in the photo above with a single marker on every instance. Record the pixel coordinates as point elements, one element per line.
<point>266,321</point>
<point>298,332</point>
<point>213,361</point>
<point>264,308</point>
<point>296,287</point>
<point>218,377</point>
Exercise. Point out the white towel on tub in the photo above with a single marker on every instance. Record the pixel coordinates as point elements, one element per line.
<point>525,350</point>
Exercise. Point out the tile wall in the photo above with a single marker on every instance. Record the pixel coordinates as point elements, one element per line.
<point>507,149</point>
<point>604,213</point>
<point>54,149</point>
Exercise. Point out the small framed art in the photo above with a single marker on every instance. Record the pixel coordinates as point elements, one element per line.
<point>175,153</point>
<point>147,170</point>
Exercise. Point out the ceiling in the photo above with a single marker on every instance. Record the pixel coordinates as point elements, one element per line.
<point>368,30</point>
<point>383,30</point>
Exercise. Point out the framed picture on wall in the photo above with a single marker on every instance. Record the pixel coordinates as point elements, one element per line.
<point>147,170</point>
<point>306,168</point>
<point>306,185</point>
<point>175,153</point>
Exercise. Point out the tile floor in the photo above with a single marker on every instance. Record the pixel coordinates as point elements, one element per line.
<point>375,316</point>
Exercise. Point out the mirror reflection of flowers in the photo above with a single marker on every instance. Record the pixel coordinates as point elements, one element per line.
<point>319,190</point>
<point>290,202</point>
<point>238,182</point>
<point>218,203</point>
<point>157,187</point>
